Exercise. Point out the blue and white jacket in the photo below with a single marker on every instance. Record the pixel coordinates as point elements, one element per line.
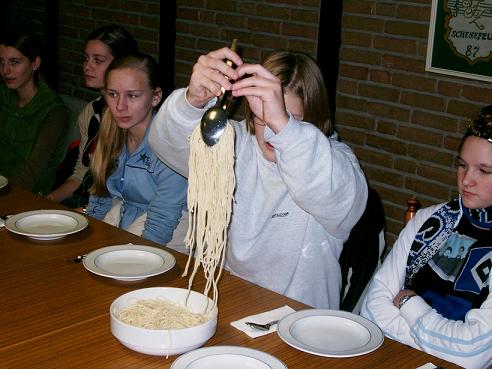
<point>144,184</point>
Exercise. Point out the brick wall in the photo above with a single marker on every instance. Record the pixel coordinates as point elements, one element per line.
<point>261,26</point>
<point>404,124</point>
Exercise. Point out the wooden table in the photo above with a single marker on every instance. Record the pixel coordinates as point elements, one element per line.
<point>55,314</point>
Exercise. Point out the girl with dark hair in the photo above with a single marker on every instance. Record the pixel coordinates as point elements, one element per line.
<point>33,118</point>
<point>102,46</point>
<point>132,188</point>
<point>298,192</point>
<point>433,291</point>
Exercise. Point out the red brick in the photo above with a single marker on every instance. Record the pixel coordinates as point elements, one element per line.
<point>388,144</point>
<point>353,22</point>
<point>188,14</point>
<point>350,135</point>
<point>396,45</point>
<point>381,76</point>
<point>389,177</point>
<point>305,15</point>
<point>274,12</point>
<point>409,29</point>
<point>386,127</point>
<point>414,82</point>
<point>356,39</point>
<point>353,71</point>
<point>377,92</point>
<point>420,135</point>
<point>463,108</point>
<point>299,30</point>
<point>428,188</point>
<point>388,111</point>
<point>354,120</point>
<point>430,154</point>
<point>403,63</point>
<point>351,103</point>
<point>306,46</point>
<point>368,155</point>
<point>385,9</point>
<point>261,25</point>
<point>347,87</point>
<point>360,56</point>
<point>437,121</point>
<point>426,101</point>
<point>410,12</point>
<point>405,165</point>
<point>360,7</point>
<point>446,176</point>
<point>476,93</point>
<point>449,88</point>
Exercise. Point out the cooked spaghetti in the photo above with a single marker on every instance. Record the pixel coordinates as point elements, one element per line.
<point>211,184</point>
<point>160,314</point>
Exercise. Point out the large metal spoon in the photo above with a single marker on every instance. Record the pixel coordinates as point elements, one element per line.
<point>214,121</point>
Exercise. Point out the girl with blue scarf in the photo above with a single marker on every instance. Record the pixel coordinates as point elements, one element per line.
<point>433,291</point>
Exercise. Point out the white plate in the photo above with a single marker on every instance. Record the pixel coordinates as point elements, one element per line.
<point>3,182</point>
<point>46,224</point>
<point>331,333</point>
<point>227,357</point>
<point>129,262</point>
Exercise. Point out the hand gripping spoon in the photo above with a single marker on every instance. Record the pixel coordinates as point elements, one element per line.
<point>214,121</point>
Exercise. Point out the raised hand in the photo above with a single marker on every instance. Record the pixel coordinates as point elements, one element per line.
<point>209,75</point>
<point>264,93</point>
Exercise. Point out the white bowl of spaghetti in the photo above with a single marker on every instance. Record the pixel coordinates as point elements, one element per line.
<point>163,320</point>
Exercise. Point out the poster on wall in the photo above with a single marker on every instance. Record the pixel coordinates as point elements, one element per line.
<point>460,39</point>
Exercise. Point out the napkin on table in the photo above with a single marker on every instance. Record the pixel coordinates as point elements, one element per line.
<point>263,318</point>
<point>428,366</point>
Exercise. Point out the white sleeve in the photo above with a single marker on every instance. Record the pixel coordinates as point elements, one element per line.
<point>323,176</point>
<point>388,281</point>
<point>171,128</point>
<point>467,343</point>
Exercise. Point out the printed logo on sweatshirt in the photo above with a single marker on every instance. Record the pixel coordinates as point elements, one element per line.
<point>280,215</point>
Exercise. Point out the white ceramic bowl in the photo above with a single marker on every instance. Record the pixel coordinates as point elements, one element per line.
<point>162,342</point>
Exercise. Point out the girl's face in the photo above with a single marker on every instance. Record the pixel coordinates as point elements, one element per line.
<point>295,106</point>
<point>130,97</point>
<point>475,173</point>
<point>15,68</point>
<point>97,57</point>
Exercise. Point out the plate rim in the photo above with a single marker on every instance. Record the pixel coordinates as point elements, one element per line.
<point>3,181</point>
<point>183,361</point>
<point>82,223</point>
<point>89,261</point>
<point>375,341</point>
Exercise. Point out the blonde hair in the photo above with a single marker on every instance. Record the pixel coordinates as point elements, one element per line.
<point>301,76</point>
<point>111,138</point>
<point>110,141</point>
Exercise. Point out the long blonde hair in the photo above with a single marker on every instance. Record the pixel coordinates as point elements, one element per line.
<point>111,138</point>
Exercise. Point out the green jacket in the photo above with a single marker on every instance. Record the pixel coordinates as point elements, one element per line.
<point>32,138</point>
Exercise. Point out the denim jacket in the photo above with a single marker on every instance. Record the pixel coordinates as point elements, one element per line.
<point>143,183</point>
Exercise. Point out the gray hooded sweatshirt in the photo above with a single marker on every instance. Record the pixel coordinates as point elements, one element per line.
<point>290,218</point>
